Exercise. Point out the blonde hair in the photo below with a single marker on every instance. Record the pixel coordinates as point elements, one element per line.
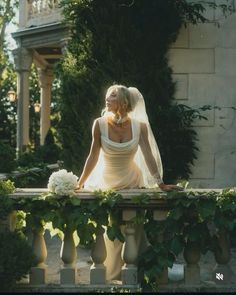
<point>123,97</point>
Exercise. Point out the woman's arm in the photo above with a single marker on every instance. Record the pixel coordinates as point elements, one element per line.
<point>150,160</point>
<point>93,155</point>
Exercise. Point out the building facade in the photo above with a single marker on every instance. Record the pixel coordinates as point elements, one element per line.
<point>204,64</point>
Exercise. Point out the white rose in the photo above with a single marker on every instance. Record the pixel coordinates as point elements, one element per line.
<point>62,182</point>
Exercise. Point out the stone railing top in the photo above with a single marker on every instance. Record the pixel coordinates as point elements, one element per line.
<point>127,194</point>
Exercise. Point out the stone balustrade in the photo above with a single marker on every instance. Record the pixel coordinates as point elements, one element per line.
<point>129,274</point>
<point>38,12</point>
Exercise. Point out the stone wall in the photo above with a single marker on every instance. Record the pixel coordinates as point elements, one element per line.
<point>204,65</point>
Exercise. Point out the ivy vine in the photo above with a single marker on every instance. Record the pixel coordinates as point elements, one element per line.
<point>191,216</point>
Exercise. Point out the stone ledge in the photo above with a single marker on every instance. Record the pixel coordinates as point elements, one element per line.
<point>171,288</point>
<point>82,288</point>
<point>203,288</point>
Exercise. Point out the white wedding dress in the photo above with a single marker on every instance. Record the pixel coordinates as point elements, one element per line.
<point>120,172</point>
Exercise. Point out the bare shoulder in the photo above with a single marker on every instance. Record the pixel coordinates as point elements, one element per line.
<point>96,127</point>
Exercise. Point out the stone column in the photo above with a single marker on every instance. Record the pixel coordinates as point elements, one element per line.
<point>68,273</point>
<point>160,215</point>
<point>45,80</point>
<point>191,269</point>
<point>98,254</point>
<point>38,274</point>
<point>23,61</point>
<point>129,272</point>
<point>222,273</point>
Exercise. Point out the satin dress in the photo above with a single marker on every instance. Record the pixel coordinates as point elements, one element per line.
<point>120,172</point>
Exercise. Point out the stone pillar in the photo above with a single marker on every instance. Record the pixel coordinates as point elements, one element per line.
<point>38,274</point>
<point>98,255</point>
<point>45,80</point>
<point>191,269</point>
<point>129,272</point>
<point>160,215</point>
<point>23,61</point>
<point>222,273</point>
<point>68,255</point>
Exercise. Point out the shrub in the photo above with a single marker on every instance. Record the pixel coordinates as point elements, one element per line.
<point>48,153</point>
<point>7,158</point>
<point>16,259</point>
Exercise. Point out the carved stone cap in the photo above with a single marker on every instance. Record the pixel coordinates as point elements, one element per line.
<point>22,59</point>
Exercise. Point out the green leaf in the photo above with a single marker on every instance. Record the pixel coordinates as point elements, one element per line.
<point>111,233</point>
<point>207,208</point>
<point>176,213</point>
<point>141,199</point>
<point>176,245</point>
<point>86,233</point>
<point>75,201</point>
<point>114,232</point>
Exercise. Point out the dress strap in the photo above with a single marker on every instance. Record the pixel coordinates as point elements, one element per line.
<point>103,126</point>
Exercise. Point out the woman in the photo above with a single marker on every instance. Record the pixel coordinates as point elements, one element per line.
<point>123,155</point>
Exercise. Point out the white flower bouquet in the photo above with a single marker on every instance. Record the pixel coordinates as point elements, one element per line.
<point>62,183</point>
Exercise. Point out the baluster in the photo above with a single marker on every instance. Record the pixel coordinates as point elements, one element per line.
<point>56,4</point>
<point>41,6</point>
<point>47,6</point>
<point>98,255</point>
<point>191,269</point>
<point>129,251</point>
<point>38,274</point>
<point>68,255</point>
<point>24,12</point>
<point>36,9</point>
<point>50,5</point>
<point>160,215</point>
<point>222,273</point>
<point>30,9</point>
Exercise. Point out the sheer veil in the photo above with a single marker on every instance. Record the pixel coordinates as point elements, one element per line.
<point>139,113</point>
<point>95,180</point>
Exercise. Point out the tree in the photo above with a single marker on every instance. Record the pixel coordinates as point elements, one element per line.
<point>7,12</point>
<point>7,76</point>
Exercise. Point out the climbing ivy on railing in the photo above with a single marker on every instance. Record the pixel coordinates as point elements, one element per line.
<point>192,216</point>
<point>6,187</point>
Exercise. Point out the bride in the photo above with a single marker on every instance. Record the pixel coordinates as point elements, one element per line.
<point>123,155</point>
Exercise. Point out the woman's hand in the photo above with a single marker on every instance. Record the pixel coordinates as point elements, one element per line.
<point>170,187</point>
<point>78,188</point>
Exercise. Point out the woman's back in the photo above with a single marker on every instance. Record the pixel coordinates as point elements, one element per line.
<point>120,170</point>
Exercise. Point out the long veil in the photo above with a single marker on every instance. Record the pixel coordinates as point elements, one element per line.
<point>139,113</point>
<point>95,180</point>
